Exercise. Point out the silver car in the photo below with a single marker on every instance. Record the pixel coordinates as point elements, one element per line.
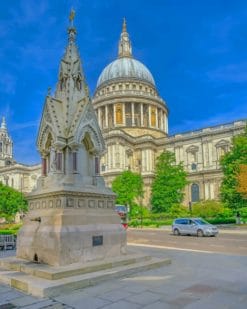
<point>193,226</point>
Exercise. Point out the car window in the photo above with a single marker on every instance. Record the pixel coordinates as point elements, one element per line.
<point>201,222</point>
<point>181,221</point>
<point>121,208</point>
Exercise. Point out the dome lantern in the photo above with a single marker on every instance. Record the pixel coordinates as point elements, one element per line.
<point>124,46</point>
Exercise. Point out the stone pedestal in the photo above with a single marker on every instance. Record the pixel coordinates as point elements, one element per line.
<point>67,227</point>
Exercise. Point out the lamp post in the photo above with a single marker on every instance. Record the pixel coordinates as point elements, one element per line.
<point>190,207</point>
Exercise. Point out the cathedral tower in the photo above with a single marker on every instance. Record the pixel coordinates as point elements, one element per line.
<point>6,145</point>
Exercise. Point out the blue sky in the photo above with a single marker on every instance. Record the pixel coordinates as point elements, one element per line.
<point>196,51</point>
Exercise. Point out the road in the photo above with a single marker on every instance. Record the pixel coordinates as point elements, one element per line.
<point>227,242</point>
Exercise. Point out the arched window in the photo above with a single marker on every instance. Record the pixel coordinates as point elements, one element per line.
<point>195,194</point>
<point>222,148</point>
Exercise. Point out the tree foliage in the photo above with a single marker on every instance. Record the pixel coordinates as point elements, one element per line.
<point>128,186</point>
<point>242,180</point>
<point>11,202</point>
<point>230,164</point>
<point>168,184</point>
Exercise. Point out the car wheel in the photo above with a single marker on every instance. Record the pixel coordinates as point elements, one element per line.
<point>200,233</point>
<point>176,232</point>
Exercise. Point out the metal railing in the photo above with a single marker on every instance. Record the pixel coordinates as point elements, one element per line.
<point>7,241</point>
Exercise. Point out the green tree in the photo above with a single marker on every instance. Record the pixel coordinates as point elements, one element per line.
<point>128,186</point>
<point>168,184</point>
<point>11,202</point>
<point>230,164</point>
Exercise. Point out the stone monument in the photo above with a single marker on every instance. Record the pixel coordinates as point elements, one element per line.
<point>71,216</point>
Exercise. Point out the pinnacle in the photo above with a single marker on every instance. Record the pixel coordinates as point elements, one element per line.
<point>3,124</point>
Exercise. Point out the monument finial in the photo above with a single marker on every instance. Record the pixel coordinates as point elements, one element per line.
<point>72,16</point>
<point>72,29</point>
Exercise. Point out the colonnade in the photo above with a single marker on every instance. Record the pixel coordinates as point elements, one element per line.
<point>132,114</point>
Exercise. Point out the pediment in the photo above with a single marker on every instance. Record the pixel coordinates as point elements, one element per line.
<point>192,148</point>
<point>222,142</point>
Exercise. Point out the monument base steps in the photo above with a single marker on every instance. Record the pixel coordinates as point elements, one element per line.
<point>47,281</point>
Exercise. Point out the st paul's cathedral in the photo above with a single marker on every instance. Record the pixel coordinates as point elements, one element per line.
<point>134,123</point>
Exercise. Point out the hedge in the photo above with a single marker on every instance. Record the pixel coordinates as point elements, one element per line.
<point>8,232</point>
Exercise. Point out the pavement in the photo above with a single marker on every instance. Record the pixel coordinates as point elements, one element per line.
<point>193,280</point>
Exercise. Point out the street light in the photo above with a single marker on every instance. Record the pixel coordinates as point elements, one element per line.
<point>190,207</point>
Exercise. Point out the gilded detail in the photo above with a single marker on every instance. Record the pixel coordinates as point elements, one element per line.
<point>119,113</point>
<point>153,116</point>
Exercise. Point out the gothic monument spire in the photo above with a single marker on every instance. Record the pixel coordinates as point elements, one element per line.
<point>71,192</point>
<point>71,81</point>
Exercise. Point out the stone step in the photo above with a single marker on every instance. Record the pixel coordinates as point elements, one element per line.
<point>54,273</point>
<point>43,287</point>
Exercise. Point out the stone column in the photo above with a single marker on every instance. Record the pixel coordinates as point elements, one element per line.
<point>74,158</point>
<point>113,156</point>
<point>166,124</point>
<point>106,116</point>
<point>210,153</point>
<point>96,165</point>
<point>162,120</point>
<point>156,118</point>
<point>44,167</point>
<point>99,117</point>
<point>141,114</point>
<point>149,116</point>
<point>124,115</point>
<point>205,153</point>
<point>132,113</point>
<point>114,115</point>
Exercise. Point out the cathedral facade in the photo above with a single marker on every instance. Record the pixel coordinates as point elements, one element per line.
<point>16,175</point>
<point>134,122</point>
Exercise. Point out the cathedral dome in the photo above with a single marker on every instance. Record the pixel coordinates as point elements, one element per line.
<point>125,67</point>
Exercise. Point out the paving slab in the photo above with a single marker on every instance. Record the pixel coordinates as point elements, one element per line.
<point>124,304</point>
<point>81,301</point>
<point>116,295</point>
<point>146,298</point>
<point>9,295</point>
<point>25,300</point>
<point>40,304</point>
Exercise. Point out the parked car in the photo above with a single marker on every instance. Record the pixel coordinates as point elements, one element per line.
<point>193,226</point>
